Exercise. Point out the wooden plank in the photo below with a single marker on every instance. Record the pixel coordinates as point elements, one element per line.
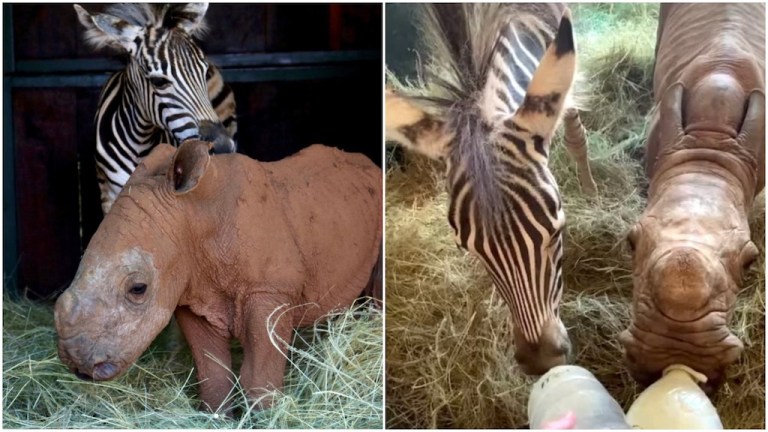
<point>223,61</point>
<point>278,119</point>
<point>46,189</point>
<point>46,31</point>
<point>297,27</point>
<point>10,233</point>
<point>90,196</point>
<point>235,28</point>
<point>360,26</point>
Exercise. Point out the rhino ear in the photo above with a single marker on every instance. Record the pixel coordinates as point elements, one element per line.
<point>671,113</point>
<point>189,165</point>
<point>752,133</point>
<point>156,162</point>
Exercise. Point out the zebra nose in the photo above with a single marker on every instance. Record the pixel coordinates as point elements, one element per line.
<point>552,349</point>
<point>215,133</point>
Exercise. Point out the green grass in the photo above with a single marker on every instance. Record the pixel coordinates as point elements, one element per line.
<point>334,380</point>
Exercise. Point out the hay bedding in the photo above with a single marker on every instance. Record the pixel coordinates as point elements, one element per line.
<point>448,341</point>
<point>334,380</point>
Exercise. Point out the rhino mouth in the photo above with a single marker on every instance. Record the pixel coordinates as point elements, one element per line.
<point>103,371</point>
<point>647,353</point>
<point>87,364</point>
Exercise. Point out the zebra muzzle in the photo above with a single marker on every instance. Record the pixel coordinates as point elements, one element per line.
<point>216,134</point>
<point>552,349</point>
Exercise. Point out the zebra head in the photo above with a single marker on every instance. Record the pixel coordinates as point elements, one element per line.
<point>167,71</point>
<point>496,87</point>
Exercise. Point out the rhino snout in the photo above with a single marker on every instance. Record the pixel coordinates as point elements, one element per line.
<point>66,314</point>
<point>101,372</point>
<point>654,342</point>
<point>85,360</point>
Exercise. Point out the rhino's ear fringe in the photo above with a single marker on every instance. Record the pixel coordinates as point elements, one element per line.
<point>156,162</point>
<point>189,165</point>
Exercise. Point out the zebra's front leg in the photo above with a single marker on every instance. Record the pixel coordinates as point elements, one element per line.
<point>106,200</point>
<point>576,144</point>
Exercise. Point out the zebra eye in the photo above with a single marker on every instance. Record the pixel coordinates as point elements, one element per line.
<point>159,82</point>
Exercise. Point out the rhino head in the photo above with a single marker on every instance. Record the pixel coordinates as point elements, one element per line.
<point>691,247</point>
<point>134,269</point>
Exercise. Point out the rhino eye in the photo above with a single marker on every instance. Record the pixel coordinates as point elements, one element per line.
<point>138,289</point>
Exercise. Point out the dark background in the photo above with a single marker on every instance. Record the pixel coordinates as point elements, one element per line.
<point>402,40</point>
<point>301,74</point>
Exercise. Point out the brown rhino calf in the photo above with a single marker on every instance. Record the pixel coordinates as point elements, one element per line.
<point>234,248</point>
<point>705,162</point>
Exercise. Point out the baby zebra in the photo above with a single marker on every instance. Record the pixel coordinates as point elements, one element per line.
<point>168,92</point>
<point>498,83</point>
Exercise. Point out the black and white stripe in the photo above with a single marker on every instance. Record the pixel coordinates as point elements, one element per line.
<point>505,204</point>
<point>168,92</point>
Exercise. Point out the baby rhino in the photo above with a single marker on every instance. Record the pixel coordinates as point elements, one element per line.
<point>232,247</point>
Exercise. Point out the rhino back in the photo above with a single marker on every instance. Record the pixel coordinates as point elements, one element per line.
<point>723,34</point>
<point>717,52</point>
<point>331,202</point>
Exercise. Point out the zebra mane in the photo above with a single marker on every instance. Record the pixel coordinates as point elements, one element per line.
<point>461,41</point>
<point>167,15</point>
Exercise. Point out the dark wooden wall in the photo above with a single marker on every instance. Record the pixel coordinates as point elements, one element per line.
<point>301,74</point>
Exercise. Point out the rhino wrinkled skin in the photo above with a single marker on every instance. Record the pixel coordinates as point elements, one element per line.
<point>233,248</point>
<point>705,161</point>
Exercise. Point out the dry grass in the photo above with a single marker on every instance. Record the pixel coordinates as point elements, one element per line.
<point>449,350</point>
<point>334,380</point>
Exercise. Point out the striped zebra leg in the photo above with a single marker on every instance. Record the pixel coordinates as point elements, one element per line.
<point>576,144</point>
<point>106,198</point>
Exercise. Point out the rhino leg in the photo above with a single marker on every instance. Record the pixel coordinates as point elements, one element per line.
<point>268,332</point>
<point>213,359</point>
<point>576,144</point>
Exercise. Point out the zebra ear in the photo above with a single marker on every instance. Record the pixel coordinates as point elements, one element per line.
<point>414,128</point>
<point>107,30</point>
<point>551,83</point>
<point>189,165</point>
<point>189,17</point>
